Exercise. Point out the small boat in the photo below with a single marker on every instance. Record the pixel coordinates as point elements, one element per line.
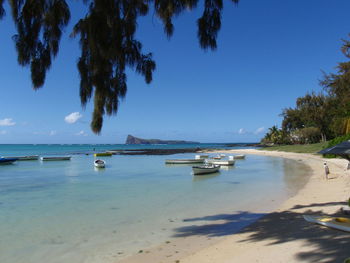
<point>100,163</point>
<point>184,161</point>
<point>239,156</point>
<point>201,156</point>
<point>222,162</point>
<point>7,160</point>
<point>218,157</point>
<point>56,158</point>
<point>23,158</point>
<point>103,154</point>
<point>205,169</point>
<point>340,223</point>
<point>113,152</point>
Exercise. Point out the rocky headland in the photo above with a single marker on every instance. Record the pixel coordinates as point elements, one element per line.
<point>134,140</point>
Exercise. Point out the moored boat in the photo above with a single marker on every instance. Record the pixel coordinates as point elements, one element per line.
<point>55,158</point>
<point>113,152</point>
<point>205,169</point>
<point>201,156</point>
<point>7,160</point>
<point>100,163</point>
<point>23,158</point>
<point>184,161</point>
<point>222,162</point>
<point>103,154</point>
<point>239,156</point>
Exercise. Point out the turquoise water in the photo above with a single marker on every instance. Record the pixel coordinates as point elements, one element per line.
<point>47,149</point>
<point>70,212</point>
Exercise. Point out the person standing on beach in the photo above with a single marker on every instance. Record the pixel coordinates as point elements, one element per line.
<point>326,169</point>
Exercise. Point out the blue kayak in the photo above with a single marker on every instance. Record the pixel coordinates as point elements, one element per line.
<point>7,160</point>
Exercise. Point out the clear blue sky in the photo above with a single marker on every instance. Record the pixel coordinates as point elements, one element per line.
<point>269,53</point>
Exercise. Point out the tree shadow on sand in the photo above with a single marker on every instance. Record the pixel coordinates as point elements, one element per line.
<point>232,224</point>
<point>329,245</point>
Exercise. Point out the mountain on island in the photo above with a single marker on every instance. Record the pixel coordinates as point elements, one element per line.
<point>134,140</point>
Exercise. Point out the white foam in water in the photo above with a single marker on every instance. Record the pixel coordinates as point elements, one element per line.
<point>69,212</point>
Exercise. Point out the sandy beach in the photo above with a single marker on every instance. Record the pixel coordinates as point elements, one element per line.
<point>280,236</point>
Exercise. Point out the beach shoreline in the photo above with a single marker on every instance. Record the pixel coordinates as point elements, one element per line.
<point>279,236</point>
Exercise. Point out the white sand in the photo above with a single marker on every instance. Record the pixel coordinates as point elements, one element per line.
<point>281,236</point>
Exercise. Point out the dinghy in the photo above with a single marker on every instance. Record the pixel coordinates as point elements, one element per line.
<point>205,169</point>
<point>222,162</point>
<point>55,158</point>
<point>340,223</point>
<point>23,158</point>
<point>103,154</point>
<point>113,152</point>
<point>201,156</point>
<point>239,156</point>
<point>7,160</point>
<point>184,161</point>
<point>100,163</point>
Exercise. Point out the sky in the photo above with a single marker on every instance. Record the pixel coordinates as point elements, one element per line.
<point>269,53</point>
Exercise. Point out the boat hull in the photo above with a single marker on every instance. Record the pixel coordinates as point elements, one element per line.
<point>329,222</point>
<point>236,157</point>
<point>56,158</point>
<point>100,164</point>
<point>23,158</point>
<point>201,156</point>
<point>4,161</point>
<point>113,152</point>
<point>103,154</point>
<point>200,170</point>
<point>222,162</point>
<point>184,161</point>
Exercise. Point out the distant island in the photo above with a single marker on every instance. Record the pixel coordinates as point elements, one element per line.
<point>134,140</point>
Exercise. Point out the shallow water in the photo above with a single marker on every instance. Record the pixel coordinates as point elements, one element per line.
<point>70,212</point>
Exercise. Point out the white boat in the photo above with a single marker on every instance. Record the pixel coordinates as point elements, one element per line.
<point>56,158</point>
<point>205,169</point>
<point>222,162</point>
<point>23,158</point>
<point>201,156</point>
<point>184,161</point>
<point>100,163</point>
<point>218,157</point>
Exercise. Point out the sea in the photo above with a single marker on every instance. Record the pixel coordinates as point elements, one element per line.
<point>69,211</point>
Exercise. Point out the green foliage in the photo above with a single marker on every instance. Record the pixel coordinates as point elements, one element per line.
<point>338,140</point>
<point>312,111</point>
<point>338,88</point>
<point>107,41</point>
<point>306,135</point>
<point>276,136</point>
<point>329,112</point>
<point>292,119</point>
<point>298,148</point>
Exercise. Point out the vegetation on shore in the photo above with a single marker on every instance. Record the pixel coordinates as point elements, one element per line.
<point>318,117</point>
<point>298,148</point>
